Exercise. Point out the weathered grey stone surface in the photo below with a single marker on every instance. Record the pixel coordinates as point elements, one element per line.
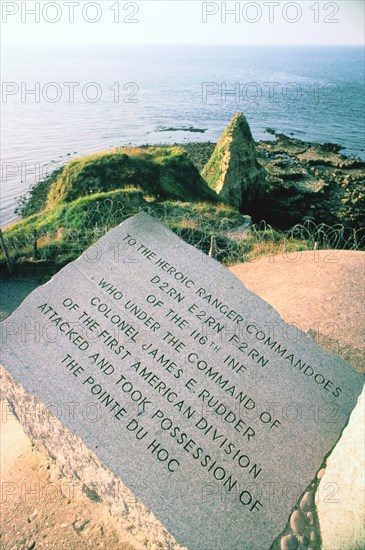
<point>216,429</point>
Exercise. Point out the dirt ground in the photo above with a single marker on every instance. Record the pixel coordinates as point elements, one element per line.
<point>320,292</point>
<point>42,509</point>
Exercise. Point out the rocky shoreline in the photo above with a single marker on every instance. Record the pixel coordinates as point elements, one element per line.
<point>307,178</point>
<point>199,152</point>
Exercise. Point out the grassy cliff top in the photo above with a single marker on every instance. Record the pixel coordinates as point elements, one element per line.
<point>162,172</point>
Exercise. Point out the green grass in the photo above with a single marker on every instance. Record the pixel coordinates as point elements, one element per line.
<point>162,172</point>
<point>268,243</point>
<point>65,231</point>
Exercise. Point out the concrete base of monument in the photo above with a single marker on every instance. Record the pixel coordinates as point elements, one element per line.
<point>78,503</point>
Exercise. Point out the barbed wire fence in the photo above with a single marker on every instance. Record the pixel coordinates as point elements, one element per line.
<point>220,236</point>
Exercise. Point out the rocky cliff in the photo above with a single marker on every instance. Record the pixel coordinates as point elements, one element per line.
<point>309,182</point>
<point>233,170</point>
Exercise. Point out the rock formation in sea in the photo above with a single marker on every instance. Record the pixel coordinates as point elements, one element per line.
<point>233,170</point>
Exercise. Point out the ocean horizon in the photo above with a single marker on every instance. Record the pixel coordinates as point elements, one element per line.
<point>60,103</point>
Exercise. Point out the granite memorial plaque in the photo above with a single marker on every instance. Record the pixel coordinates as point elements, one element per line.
<point>184,384</point>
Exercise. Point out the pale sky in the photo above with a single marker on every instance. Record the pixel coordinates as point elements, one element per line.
<point>183,22</point>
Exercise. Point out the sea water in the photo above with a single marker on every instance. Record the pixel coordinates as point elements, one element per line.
<point>62,102</point>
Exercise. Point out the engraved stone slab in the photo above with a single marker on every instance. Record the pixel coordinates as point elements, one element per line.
<point>184,384</point>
